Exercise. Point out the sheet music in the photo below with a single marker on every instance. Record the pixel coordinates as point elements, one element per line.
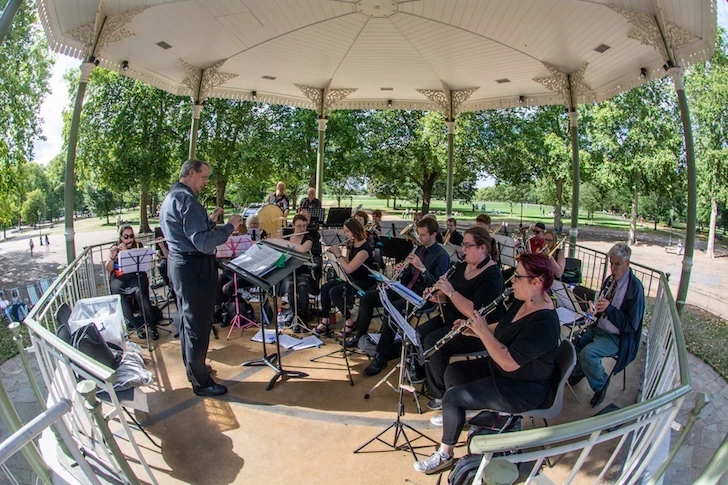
<point>259,260</point>
<point>234,246</point>
<point>128,259</point>
<point>270,337</point>
<point>403,324</point>
<point>308,342</point>
<point>288,342</point>
<point>407,294</point>
<point>376,336</point>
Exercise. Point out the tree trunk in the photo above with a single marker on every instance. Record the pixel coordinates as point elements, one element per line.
<point>710,250</point>
<point>143,218</point>
<point>221,185</point>
<point>633,222</point>
<point>394,203</point>
<point>387,201</point>
<point>427,194</point>
<point>655,226</point>
<point>338,201</point>
<point>558,201</point>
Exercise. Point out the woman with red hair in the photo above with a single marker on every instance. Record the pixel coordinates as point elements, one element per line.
<point>518,373</point>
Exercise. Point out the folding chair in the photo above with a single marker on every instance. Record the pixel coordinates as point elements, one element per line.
<point>45,285</point>
<point>32,295</point>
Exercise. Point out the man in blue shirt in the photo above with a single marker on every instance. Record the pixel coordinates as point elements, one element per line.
<point>192,237</point>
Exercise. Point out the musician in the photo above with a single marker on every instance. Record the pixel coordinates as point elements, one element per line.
<point>362,217</point>
<point>618,327</point>
<point>536,242</point>
<point>252,224</point>
<point>280,198</point>
<point>128,285</point>
<point>302,241</point>
<point>456,237</point>
<point>310,201</point>
<point>483,220</point>
<point>476,282</point>
<point>558,258</point>
<point>425,266</point>
<point>377,222</point>
<point>518,373</point>
<point>332,293</point>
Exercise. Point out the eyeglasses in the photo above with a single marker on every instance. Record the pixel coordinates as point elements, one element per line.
<point>128,236</point>
<point>469,245</point>
<point>517,276</point>
<point>549,241</point>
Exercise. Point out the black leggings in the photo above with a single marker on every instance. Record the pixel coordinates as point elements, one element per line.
<point>305,285</point>
<point>469,386</point>
<point>129,286</point>
<point>332,294</point>
<point>432,331</point>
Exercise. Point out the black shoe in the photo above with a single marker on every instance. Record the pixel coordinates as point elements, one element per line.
<point>574,380</point>
<point>141,334</point>
<point>375,367</point>
<point>352,343</point>
<point>599,395</point>
<point>212,390</point>
<point>154,333</point>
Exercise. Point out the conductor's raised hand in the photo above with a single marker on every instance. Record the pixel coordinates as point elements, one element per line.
<point>215,216</point>
<point>234,219</point>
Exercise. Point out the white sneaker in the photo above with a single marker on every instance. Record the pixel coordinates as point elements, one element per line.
<point>437,462</point>
<point>436,420</point>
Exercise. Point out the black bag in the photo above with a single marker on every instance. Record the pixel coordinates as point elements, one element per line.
<point>463,473</point>
<point>571,276</point>
<point>89,340</point>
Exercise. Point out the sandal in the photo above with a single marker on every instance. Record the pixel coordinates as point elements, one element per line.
<point>323,329</point>
<point>347,330</point>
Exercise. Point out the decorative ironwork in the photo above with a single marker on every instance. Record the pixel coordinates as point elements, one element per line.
<point>448,100</point>
<point>203,81</point>
<point>325,98</point>
<point>115,28</point>
<point>560,83</point>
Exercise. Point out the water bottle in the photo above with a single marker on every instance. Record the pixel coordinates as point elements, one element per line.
<point>281,319</point>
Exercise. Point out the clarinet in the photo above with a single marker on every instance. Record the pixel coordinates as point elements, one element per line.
<point>457,331</point>
<point>607,293</point>
<point>431,290</point>
<point>398,274</point>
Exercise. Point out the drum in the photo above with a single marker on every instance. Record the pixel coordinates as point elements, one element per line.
<point>271,219</point>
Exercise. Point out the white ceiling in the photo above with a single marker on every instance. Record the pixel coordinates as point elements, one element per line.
<point>374,44</point>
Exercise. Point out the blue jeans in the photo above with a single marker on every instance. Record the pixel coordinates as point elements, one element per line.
<point>591,348</point>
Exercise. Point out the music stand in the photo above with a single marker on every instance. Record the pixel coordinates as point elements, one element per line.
<point>409,338</point>
<point>337,216</point>
<point>343,276</point>
<point>137,260</point>
<point>265,265</point>
<point>230,249</point>
<point>317,215</point>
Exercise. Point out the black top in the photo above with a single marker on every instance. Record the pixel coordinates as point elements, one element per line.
<point>532,341</point>
<point>437,262</point>
<point>456,238</point>
<point>481,290</point>
<point>304,268</point>
<point>361,274</point>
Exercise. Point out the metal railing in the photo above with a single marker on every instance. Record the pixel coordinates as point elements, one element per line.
<point>62,367</point>
<point>643,426</point>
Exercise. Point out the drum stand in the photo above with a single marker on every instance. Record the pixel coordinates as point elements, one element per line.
<point>400,428</point>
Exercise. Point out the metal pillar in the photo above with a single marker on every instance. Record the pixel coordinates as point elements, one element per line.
<point>320,161</point>
<point>7,17</point>
<point>574,231</point>
<point>450,166</point>
<point>196,111</point>
<point>70,191</point>
<point>687,264</point>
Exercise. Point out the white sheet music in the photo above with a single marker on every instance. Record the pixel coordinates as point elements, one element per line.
<point>259,260</point>
<point>407,294</point>
<point>403,324</point>
<point>270,337</point>
<point>128,260</point>
<point>308,342</point>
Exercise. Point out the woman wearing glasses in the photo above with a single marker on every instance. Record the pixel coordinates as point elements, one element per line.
<point>476,282</point>
<point>518,373</point>
<point>558,258</point>
<point>332,293</point>
<point>131,285</point>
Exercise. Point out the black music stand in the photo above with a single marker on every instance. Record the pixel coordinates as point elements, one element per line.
<point>267,281</point>
<point>337,216</point>
<point>409,338</point>
<point>343,350</point>
<point>396,248</point>
<point>317,215</point>
<point>137,260</point>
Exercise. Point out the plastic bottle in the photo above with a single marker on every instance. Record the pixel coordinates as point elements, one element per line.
<point>281,318</point>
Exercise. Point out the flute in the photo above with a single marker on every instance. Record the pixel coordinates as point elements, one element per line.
<point>484,311</point>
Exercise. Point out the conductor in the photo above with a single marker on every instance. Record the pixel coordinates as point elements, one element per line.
<point>192,237</point>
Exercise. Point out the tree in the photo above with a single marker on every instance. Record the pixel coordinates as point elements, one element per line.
<point>100,199</point>
<point>24,74</point>
<point>34,207</point>
<point>707,88</point>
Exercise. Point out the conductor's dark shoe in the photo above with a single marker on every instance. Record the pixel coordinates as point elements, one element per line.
<point>377,366</point>
<point>212,390</point>
<point>574,380</point>
<point>599,396</point>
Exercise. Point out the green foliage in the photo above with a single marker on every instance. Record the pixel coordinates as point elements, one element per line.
<point>24,74</point>
<point>34,207</point>
<point>99,199</point>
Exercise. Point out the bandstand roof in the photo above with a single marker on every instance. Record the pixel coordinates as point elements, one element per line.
<point>364,53</point>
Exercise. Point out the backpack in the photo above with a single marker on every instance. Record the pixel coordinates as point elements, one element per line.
<point>89,340</point>
<point>465,469</point>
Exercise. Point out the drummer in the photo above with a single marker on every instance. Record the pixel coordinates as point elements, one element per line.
<point>280,198</point>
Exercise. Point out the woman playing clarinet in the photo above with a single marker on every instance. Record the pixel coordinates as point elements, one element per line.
<point>518,373</point>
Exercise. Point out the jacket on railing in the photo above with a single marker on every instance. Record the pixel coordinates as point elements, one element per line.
<point>628,320</point>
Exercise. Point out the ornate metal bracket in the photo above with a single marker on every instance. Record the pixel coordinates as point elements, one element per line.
<point>325,98</point>
<point>203,81</point>
<point>649,32</point>
<point>568,86</point>
<point>104,30</point>
<point>448,100</point>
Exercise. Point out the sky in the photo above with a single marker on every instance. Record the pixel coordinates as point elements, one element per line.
<point>52,108</point>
